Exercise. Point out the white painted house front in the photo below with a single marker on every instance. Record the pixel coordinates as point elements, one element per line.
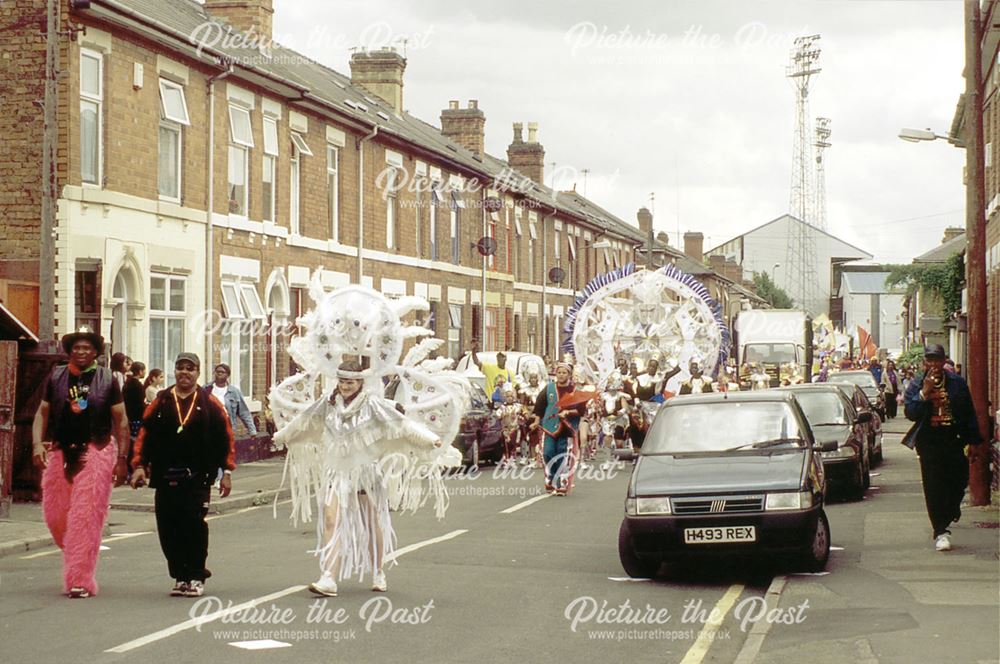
<point>869,303</point>
<point>765,249</point>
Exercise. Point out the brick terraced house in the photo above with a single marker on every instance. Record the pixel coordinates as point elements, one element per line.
<point>161,109</point>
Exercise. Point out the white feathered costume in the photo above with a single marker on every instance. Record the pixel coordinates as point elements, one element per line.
<point>365,453</point>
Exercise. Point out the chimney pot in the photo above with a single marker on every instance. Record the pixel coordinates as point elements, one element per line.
<point>381,73</point>
<point>694,245</point>
<point>645,219</point>
<point>453,103</point>
<point>465,126</point>
<point>527,158</point>
<point>473,103</point>
<point>532,132</point>
<point>245,15</point>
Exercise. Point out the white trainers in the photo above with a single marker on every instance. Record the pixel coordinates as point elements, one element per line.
<point>942,543</point>
<point>195,589</point>
<point>378,582</point>
<point>326,586</point>
<point>180,589</point>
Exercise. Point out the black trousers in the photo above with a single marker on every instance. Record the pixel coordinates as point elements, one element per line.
<point>890,404</point>
<point>183,532</point>
<point>944,470</point>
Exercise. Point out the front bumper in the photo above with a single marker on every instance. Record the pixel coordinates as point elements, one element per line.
<point>662,537</point>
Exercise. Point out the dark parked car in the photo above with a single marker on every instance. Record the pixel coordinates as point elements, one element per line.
<point>866,381</point>
<point>832,416</point>
<point>753,486</point>
<point>480,434</point>
<point>861,403</point>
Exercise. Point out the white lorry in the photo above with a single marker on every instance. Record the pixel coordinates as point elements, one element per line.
<point>777,342</point>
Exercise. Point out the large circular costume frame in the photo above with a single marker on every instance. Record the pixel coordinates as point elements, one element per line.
<point>662,314</point>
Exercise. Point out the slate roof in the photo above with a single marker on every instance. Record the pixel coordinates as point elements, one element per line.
<point>333,89</point>
<point>866,283</point>
<point>943,251</point>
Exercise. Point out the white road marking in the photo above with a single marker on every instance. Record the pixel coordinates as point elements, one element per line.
<point>419,545</point>
<point>627,579</point>
<point>522,505</point>
<point>106,540</point>
<point>755,639</point>
<point>836,548</point>
<point>201,620</point>
<point>212,617</point>
<point>706,637</point>
<point>262,644</point>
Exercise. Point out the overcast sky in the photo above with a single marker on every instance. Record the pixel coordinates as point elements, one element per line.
<point>689,100</point>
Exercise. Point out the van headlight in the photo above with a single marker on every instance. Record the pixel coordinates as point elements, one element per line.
<point>800,500</point>
<point>653,506</point>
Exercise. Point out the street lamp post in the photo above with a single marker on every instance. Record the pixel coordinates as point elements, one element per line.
<point>773,268</point>
<point>975,253</point>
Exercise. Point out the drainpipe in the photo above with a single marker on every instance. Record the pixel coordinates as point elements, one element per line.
<point>361,197</point>
<point>209,229</point>
<point>545,278</point>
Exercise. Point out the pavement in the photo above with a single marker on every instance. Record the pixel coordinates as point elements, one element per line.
<point>253,484</point>
<point>901,598</point>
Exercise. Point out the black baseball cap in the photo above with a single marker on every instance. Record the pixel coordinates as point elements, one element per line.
<point>188,357</point>
<point>934,352</point>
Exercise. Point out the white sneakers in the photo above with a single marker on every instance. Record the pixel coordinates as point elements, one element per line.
<point>326,586</point>
<point>180,589</point>
<point>378,582</point>
<point>195,589</point>
<point>942,543</point>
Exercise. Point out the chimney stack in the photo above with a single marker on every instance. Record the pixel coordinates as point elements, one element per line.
<point>734,271</point>
<point>465,126</point>
<point>381,73</point>
<point>694,245</point>
<point>245,15</point>
<point>527,158</point>
<point>952,232</point>
<point>717,264</point>
<point>645,218</point>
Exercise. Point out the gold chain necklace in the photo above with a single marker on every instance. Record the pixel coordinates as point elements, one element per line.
<point>177,405</point>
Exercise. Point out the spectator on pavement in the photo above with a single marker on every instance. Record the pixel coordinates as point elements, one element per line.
<point>231,397</point>
<point>940,404</point>
<point>153,384</point>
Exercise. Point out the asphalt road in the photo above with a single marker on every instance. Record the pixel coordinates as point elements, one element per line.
<point>486,584</point>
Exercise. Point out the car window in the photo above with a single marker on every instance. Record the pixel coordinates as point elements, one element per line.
<point>477,397</point>
<point>689,427</point>
<point>822,407</point>
<point>861,379</point>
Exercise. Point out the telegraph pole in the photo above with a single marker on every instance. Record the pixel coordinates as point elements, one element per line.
<point>975,253</point>
<point>47,252</point>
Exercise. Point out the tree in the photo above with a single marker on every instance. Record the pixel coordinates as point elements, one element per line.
<point>943,280</point>
<point>771,292</point>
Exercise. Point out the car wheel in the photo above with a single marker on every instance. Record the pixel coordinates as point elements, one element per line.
<point>817,550</point>
<point>634,566</point>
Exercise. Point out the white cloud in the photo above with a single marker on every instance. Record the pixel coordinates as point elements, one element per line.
<point>695,106</point>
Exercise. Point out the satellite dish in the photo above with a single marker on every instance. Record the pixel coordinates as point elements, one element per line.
<point>556,275</point>
<point>487,246</point>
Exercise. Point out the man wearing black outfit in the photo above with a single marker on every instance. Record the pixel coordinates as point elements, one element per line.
<point>941,405</point>
<point>185,439</point>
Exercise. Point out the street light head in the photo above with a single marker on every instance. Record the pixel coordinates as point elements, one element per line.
<point>917,135</point>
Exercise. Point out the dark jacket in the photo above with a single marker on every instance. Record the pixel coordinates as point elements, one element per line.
<point>103,395</point>
<point>135,398</point>
<point>205,445</point>
<point>964,427</point>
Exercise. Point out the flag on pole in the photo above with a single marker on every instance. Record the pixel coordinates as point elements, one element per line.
<point>866,347</point>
